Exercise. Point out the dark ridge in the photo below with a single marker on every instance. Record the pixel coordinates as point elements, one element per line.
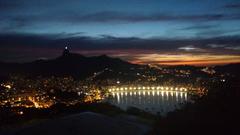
<point>68,63</point>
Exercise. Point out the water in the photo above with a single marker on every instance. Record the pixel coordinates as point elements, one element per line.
<point>153,101</point>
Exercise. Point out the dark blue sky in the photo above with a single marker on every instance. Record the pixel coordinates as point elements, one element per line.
<point>122,18</point>
<point>119,26</point>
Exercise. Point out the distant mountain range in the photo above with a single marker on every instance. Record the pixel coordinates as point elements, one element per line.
<point>82,67</point>
<point>68,64</point>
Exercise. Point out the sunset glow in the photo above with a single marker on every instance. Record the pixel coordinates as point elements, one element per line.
<point>187,59</point>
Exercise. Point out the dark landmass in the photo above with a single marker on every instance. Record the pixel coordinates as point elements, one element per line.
<point>213,113</point>
<point>86,123</point>
<point>75,65</point>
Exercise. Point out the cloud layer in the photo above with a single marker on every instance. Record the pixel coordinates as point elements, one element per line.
<point>152,31</point>
<point>22,47</point>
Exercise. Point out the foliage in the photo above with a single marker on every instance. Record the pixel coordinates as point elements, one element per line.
<point>216,113</point>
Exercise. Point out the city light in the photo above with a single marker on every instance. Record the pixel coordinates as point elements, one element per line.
<point>6,86</point>
<point>166,88</point>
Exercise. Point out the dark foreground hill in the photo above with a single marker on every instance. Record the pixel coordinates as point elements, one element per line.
<point>86,123</point>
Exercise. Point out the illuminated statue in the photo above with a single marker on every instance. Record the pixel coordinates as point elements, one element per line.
<point>66,52</point>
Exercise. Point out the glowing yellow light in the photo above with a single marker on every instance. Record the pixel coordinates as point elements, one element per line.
<point>8,86</point>
<point>36,105</point>
<point>176,94</point>
<point>143,88</point>
<point>162,93</point>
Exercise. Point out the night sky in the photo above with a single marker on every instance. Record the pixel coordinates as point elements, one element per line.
<point>197,32</point>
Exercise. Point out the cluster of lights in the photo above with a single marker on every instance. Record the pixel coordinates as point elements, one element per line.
<point>148,88</point>
<point>162,93</point>
<point>93,95</point>
<point>36,104</point>
<point>6,86</point>
<point>121,96</point>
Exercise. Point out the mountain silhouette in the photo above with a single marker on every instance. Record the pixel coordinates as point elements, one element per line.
<point>67,64</point>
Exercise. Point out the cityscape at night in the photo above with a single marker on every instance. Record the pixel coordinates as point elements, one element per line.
<point>129,67</point>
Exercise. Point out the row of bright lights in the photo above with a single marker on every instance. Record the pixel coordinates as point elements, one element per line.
<point>148,88</point>
<point>162,93</point>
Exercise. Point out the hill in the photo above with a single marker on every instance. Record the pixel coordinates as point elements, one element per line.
<point>67,64</point>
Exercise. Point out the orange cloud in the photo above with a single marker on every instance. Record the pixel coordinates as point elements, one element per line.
<point>187,59</point>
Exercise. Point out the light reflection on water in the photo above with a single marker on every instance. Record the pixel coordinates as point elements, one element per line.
<point>153,101</point>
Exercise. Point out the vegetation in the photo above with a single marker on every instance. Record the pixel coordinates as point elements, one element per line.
<point>216,113</point>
